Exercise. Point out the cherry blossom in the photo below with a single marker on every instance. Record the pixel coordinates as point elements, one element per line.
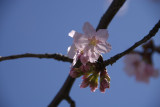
<point>93,43</point>
<point>136,66</point>
<point>88,46</point>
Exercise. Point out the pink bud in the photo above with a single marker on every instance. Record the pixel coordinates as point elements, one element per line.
<point>84,83</point>
<point>104,84</point>
<point>84,68</point>
<point>104,74</point>
<point>74,73</point>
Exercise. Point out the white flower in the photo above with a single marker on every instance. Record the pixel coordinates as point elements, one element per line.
<point>89,45</point>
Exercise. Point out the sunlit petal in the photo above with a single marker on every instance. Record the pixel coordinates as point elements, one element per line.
<point>88,29</point>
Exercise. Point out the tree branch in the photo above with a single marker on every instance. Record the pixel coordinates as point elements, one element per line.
<point>110,13</point>
<point>58,57</point>
<point>65,90</point>
<point>140,42</point>
<point>70,101</point>
<point>63,93</point>
<point>103,24</point>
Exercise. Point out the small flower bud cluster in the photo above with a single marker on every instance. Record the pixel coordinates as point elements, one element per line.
<point>90,77</point>
<point>82,70</point>
<point>91,81</point>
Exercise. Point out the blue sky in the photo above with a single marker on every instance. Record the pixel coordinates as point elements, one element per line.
<point>42,26</point>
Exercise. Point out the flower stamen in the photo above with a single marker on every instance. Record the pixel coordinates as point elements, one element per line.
<point>93,41</point>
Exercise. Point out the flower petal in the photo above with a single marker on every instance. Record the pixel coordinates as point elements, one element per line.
<point>102,35</point>
<point>93,56</point>
<point>72,33</point>
<point>81,42</point>
<point>84,59</point>
<point>75,35</point>
<point>71,51</point>
<point>88,28</point>
<point>156,73</point>
<point>103,47</point>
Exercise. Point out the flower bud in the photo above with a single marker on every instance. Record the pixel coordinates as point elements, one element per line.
<point>94,81</point>
<point>94,84</point>
<point>104,83</point>
<point>84,83</point>
<point>75,72</point>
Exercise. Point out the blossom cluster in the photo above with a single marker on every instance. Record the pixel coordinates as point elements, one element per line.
<point>90,75</point>
<point>87,48</point>
<point>136,66</point>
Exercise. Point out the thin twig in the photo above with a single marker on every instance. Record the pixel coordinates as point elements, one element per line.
<point>58,57</point>
<point>145,39</point>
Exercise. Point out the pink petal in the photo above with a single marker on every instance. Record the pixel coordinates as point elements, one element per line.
<point>92,56</point>
<point>92,60</point>
<point>84,59</point>
<point>77,36</point>
<point>73,73</point>
<point>102,35</point>
<point>81,42</point>
<point>71,51</point>
<point>88,29</point>
<point>141,67</point>
<point>156,73</point>
<point>103,47</point>
<point>130,70</point>
<point>149,70</point>
<point>95,56</point>
<point>104,84</point>
<point>84,83</point>
<point>138,67</point>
